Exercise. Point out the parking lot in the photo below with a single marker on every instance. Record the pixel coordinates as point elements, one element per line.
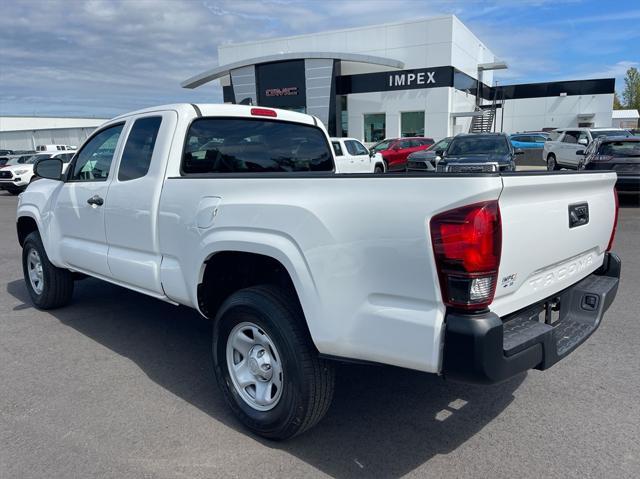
<point>121,385</point>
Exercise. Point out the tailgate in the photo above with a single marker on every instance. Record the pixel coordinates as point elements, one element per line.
<point>541,253</point>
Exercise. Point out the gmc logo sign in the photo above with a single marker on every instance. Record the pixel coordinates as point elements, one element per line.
<point>408,79</point>
<point>288,91</point>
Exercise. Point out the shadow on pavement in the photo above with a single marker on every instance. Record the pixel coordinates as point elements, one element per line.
<point>384,421</point>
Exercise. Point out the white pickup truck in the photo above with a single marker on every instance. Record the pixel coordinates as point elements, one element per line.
<point>237,211</point>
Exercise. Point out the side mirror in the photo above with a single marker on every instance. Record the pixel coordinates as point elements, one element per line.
<point>50,168</point>
<point>439,152</point>
<point>519,151</point>
<point>580,152</point>
<point>583,141</point>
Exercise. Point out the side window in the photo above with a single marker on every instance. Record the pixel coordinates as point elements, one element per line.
<point>351,148</point>
<point>337,148</point>
<point>94,160</point>
<point>361,149</point>
<point>583,137</point>
<point>402,144</point>
<point>138,150</point>
<point>570,137</point>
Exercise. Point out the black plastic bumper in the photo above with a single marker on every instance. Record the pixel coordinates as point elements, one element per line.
<point>485,349</point>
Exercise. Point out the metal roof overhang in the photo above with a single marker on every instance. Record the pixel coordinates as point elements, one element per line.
<point>218,72</point>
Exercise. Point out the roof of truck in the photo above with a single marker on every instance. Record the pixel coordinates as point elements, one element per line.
<point>227,109</point>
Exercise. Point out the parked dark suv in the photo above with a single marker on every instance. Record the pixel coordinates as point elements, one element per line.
<point>479,153</point>
<point>619,154</point>
<point>394,151</point>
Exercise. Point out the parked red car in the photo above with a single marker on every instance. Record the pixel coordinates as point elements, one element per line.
<point>394,151</point>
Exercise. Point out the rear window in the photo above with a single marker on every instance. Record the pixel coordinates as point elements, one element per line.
<point>243,145</point>
<point>598,133</point>
<point>620,148</point>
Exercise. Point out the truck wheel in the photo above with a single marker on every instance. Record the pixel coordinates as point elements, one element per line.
<point>379,169</point>
<point>266,364</point>
<point>552,164</point>
<point>49,287</point>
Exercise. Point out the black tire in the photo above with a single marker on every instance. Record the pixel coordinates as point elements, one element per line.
<point>379,169</point>
<point>552,164</point>
<point>57,283</point>
<point>307,380</point>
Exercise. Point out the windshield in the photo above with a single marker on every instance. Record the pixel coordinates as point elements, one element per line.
<point>478,145</point>
<point>383,145</point>
<point>597,133</point>
<point>441,145</point>
<point>620,148</point>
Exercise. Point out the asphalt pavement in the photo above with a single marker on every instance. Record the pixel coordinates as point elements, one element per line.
<point>119,385</point>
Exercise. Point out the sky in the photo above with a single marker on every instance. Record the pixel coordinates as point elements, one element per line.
<point>100,58</point>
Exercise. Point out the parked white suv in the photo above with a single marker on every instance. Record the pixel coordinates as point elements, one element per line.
<point>561,151</point>
<point>353,157</point>
<point>15,178</point>
<point>236,211</point>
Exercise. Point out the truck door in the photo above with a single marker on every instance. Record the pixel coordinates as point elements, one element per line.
<point>359,156</point>
<point>79,209</point>
<point>131,207</point>
<point>569,147</point>
<point>342,158</point>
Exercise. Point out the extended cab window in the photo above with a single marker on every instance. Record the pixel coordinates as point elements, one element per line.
<point>94,160</point>
<point>337,148</point>
<point>242,145</point>
<point>138,150</point>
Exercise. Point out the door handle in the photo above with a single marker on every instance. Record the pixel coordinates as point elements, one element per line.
<point>95,200</point>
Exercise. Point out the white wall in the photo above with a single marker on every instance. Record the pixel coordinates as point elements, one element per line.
<point>419,44</point>
<point>433,101</point>
<point>555,112</point>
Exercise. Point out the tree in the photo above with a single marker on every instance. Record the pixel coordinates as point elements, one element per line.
<point>616,102</point>
<point>631,92</point>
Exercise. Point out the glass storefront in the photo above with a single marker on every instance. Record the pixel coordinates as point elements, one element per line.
<point>412,123</point>
<point>375,127</point>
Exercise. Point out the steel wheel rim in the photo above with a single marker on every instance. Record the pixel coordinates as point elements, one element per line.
<point>254,366</point>
<point>34,270</point>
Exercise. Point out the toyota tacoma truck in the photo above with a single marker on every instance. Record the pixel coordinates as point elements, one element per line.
<point>237,211</point>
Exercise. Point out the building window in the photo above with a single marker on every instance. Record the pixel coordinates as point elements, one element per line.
<point>375,127</point>
<point>344,116</point>
<point>412,123</point>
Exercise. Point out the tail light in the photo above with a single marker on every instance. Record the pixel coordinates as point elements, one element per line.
<point>263,112</point>
<point>467,243</point>
<point>615,220</point>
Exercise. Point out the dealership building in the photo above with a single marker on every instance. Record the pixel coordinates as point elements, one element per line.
<point>429,77</point>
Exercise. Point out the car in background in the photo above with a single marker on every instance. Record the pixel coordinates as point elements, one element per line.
<point>394,151</point>
<point>529,140</point>
<point>560,151</point>
<point>479,153</point>
<point>16,177</point>
<point>353,157</point>
<point>6,152</point>
<point>427,160</point>
<point>14,159</point>
<point>619,154</point>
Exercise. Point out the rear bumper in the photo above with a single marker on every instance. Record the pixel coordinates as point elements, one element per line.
<point>486,349</point>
